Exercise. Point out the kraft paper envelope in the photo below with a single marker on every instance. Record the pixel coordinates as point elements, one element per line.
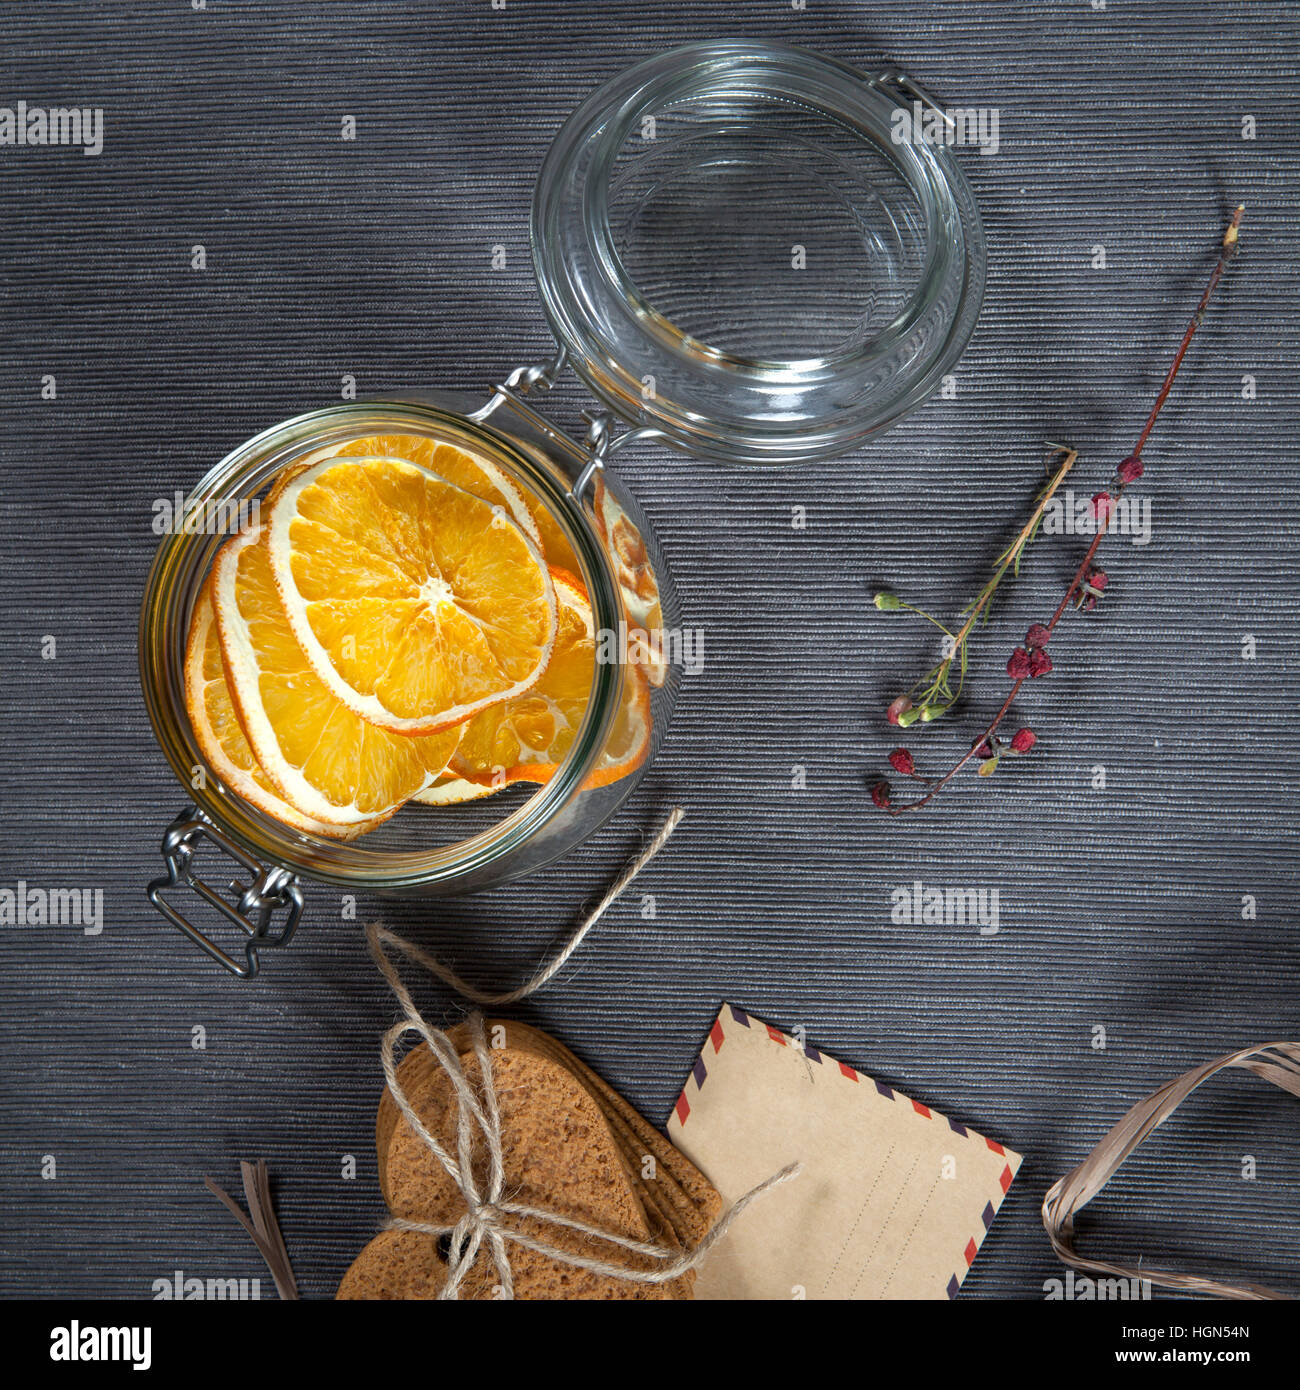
<point>893,1200</point>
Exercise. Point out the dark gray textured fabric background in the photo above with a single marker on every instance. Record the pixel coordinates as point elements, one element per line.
<point>1120,908</point>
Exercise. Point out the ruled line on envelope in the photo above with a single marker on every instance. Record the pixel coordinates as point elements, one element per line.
<point>884,1226</point>
<point>910,1234</point>
<point>857,1220</point>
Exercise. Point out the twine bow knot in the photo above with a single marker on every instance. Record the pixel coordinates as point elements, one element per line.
<point>492,1220</point>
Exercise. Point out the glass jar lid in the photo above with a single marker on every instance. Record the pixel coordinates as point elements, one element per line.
<point>737,252</point>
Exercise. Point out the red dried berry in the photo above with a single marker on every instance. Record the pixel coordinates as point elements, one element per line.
<point>1018,665</point>
<point>1039,662</point>
<point>1023,741</point>
<point>984,750</point>
<point>898,709</point>
<point>1037,636</point>
<point>880,794</point>
<point>1130,470</point>
<point>1101,504</point>
<point>1098,579</point>
<point>902,761</point>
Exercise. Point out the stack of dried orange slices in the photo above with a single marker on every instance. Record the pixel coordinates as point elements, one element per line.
<point>402,626</point>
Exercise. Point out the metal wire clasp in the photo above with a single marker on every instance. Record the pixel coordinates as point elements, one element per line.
<point>904,82</point>
<point>267,892</point>
<point>600,443</point>
<point>520,382</point>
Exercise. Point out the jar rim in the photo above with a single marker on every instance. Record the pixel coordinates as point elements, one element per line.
<point>718,406</point>
<point>171,589</point>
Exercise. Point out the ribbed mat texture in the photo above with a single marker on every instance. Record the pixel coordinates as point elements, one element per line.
<point>1143,926</point>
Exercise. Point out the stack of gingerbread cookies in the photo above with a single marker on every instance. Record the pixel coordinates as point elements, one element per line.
<point>571,1146</point>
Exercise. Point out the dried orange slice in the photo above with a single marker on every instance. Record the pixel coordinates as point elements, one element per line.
<point>477,475</point>
<point>327,761</point>
<point>221,737</point>
<point>555,544</point>
<point>450,790</point>
<point>630,558</point>
<point>629,739</point>
<point>417,603</point>
<point>527,738</point>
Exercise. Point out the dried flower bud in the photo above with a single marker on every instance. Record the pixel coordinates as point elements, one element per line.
<point>1018,665</point>
<point>1091,590</point>
<point>1023,741</point>
<point>888,603</point>
<point>1039,662</point>
<point>898,709</point>
<point>1130,470</point>
<point>1037,636</point>
<point>880,794</point>
<point>1101,505</point>
<point>902,761</point>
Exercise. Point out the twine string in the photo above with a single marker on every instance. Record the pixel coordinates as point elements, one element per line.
<point>491,1219</point>
<point>547,972</point>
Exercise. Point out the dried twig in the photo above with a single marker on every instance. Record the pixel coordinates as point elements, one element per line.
<point>1085,589</point>
<point>933,696</point>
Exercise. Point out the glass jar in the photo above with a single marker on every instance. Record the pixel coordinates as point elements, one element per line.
<point>738,260</point>
<point>737,248</point>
